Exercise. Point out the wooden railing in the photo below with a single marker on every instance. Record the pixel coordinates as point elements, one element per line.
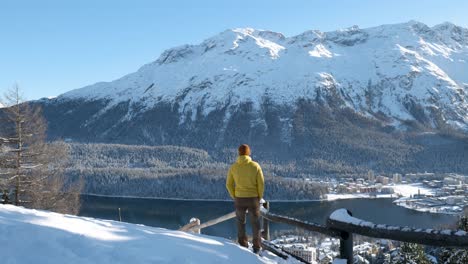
<point>195,225</point>
<point>342,225</point>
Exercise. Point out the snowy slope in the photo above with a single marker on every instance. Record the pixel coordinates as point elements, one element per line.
<point>31,236</point>
<point>406,71</point>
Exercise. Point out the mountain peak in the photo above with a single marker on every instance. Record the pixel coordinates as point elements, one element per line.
<point>244,31</point>
<point>445,25</point>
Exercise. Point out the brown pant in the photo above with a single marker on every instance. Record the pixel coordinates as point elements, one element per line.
<point>253,205</point>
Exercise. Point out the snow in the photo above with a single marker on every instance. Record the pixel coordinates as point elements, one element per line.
<point>340,261</point>
<point>320,51</point>
<point>397,62</point>
<point>403,190</point>
<point>446,232</point>
<point>342,215</point>
<point>407,190</point>
<point>345,196</point>
<point>451,210</point>
<point>33,236</point>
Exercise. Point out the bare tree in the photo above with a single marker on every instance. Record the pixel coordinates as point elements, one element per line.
<point>33,168</point>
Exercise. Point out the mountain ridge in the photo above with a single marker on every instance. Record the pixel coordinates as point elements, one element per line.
<point>387,98</point>
<point>228,69</point>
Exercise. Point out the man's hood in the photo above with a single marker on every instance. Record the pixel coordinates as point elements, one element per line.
<point>243,159</point>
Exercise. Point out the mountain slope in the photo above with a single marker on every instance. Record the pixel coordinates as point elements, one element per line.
<point>358,96</point>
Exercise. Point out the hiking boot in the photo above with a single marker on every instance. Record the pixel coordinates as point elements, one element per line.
<point>256,251</point>
<point>244,245</point>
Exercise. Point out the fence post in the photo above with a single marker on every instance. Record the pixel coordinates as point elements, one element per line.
<point>266,223</point>
<point>346,245</point>
<point>120,216</point>
<point>197,222</point>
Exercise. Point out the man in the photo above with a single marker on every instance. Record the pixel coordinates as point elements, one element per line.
<point>245,185</point>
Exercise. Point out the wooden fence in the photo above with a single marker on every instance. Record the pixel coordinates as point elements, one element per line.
<point>342,225</point>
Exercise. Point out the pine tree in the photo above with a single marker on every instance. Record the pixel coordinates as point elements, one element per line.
<point>411,253</point>
<point>31,167</point>
<point>452,256</point>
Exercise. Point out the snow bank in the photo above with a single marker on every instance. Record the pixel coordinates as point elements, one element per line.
<point>33,236</point>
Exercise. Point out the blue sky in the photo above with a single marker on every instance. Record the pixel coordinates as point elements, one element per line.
<point>50,47</point>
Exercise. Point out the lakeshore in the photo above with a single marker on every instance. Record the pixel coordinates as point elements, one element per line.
<point>173,214</point>
<point>404,195</point>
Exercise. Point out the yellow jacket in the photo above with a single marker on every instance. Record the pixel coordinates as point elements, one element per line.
<point>245,178</point>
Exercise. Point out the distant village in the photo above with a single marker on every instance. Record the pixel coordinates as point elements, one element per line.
<point>429,192</point>
<point>448,195</point>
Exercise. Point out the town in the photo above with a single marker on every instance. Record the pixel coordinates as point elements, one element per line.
<point>323,250</point>
<point>427,192</point>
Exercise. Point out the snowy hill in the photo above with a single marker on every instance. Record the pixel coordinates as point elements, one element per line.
<point>31,236</point>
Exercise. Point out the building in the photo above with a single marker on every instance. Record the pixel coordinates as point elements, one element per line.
<point>342,188</point>
<point>370,176</point>
<point>397,178</point>
<point>418,176</point>
<point>452,200</point>
<point>387,190</point>
<point>367,189</point>
<point>452,181</point>
<point>382,179</point>
<point>308,254</point>
<point>436,184</point>
<point>462,178</point>
<point>326,259</point>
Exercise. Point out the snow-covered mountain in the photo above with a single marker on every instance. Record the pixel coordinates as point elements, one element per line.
<point>349,95</point>
<point>405,71</point>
